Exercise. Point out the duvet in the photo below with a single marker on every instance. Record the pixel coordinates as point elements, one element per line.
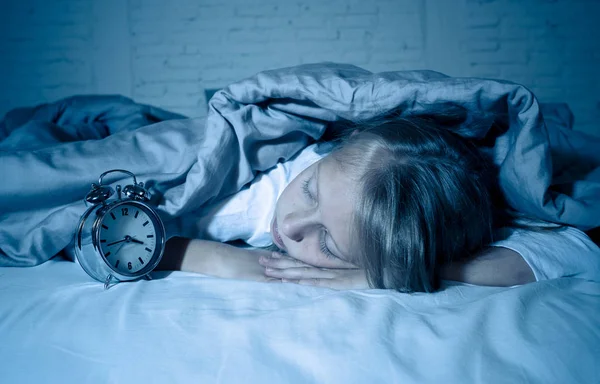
<point>51,153</point>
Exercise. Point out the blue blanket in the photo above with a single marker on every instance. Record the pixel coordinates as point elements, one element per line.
<point>50,154</point>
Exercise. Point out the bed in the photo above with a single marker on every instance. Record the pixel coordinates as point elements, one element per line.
<point>59,325</point>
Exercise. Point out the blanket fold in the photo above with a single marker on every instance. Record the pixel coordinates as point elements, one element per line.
<point>50,154</point>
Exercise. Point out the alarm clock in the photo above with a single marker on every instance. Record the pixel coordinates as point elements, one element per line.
<point>122,239</point>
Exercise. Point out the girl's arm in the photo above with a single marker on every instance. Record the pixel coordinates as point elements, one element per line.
<point>213,258</point>
<point>527,255</point>
<point>494,266</point>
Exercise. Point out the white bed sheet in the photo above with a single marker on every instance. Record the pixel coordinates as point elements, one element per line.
<point>58,326</point>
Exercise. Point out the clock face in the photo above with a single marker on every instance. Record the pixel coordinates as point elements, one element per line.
<point>128,238</point>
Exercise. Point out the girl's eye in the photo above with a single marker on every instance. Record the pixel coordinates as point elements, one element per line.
<point>306,190</point>
<point>323,245</point>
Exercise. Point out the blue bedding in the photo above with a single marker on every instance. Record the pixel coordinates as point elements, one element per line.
<point>50,154</point>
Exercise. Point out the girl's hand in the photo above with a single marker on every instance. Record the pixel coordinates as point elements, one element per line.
<point>294,271</point>
<point>214,259</point>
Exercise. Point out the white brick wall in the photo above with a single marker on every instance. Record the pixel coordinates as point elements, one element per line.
<point>552,47</point>
<point>45,51</point>
<point>167,52</point>
<point>182,48</point>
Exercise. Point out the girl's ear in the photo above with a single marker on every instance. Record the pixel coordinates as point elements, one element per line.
<point>354,132</point>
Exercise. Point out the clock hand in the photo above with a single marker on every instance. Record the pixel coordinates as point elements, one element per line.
<point>120,246</point>
<point>136,241</point>
<point>117,242</point>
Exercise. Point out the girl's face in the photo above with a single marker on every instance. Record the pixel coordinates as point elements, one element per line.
<point>313,217</point>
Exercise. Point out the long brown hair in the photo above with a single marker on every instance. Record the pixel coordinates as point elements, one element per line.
<point>428,197</point>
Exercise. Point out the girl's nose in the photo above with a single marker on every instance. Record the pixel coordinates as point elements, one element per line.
<point>296,225</point>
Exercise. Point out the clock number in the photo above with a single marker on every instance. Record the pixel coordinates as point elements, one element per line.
<point>124,212</point>
<point>129,266</point>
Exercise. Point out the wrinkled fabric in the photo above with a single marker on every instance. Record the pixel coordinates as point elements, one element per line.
<point>49,155</point>
<point>59,326</point>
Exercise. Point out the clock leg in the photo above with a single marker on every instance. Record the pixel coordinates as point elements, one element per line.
<point>108,280</point>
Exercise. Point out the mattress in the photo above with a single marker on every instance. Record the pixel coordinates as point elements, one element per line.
<point>59,326</point>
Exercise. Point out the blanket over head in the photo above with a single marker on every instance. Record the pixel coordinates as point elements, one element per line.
<point>50,154</point>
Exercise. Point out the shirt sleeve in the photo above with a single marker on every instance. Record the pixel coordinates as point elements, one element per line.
<point>563,252</point>
<point>247,214</point>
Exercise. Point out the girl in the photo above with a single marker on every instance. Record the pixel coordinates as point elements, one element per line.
<point>398,204</point>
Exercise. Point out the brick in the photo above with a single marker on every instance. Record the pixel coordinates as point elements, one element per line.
<point>476,21</point>
<point>395,66</point>
<point>44,58</point>
<point>266,9</point>
<point>361,8</point>
<point>180,38</point>
<point>340,7</point>
<point>550,93</point>
<point>355,57</point>
<point>309,21</point>
<point>583,45</point>
<point>186,90</point>
<point>399,43</point>
<point>149,64</point>
<point>499,57</point>
<point>190,61</point>
<point>150,90</point>
<point>397,56</point>
<point>315,57</point>
<point>274,22</point>
<point>331,7</point>
<point>353,21</point>
<point>546,44</point>
<point>253,63</point>
<point>579,29</point>
<point>479,34</point>
<point>61,91</point>
<point>183,11</point>
<point>480,46</point>
<point>405,24</point>
<point>168,102</point>
<point>157,50</point>
<point>49,31</point>
<point>34,48</point>
<point>581,70</point>
<point>355,35</point>
<point>282,35</point>
<point>488,73</point>
<point>405,7</point>
<point>245,35</point>
<point>545,81</point>
<point>167,75</point>
<point>220,74</point>
<point>317,34</point>
<point>512,32</point>
<point>195,111</point>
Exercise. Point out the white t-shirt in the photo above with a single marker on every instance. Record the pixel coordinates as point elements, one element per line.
<point>247,216</point>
